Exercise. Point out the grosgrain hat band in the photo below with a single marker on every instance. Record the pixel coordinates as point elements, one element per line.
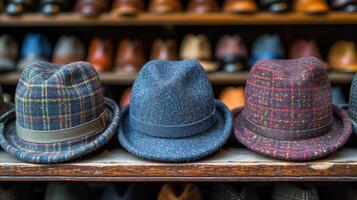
<point>173,131</point>
<point>285,134</point>
<point>90,128</point>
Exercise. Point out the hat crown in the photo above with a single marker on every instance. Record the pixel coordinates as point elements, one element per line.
<point>289,95</point>
<point>55,97</point>
<point>352,108</point>
<point>171,93</point>
<point>35,45</point>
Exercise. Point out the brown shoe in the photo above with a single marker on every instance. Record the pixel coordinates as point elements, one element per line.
<point>198,47</point>
<point>231,52</point>
<point>302,48</point>
<point>164,50</point>
<point>68,49</point>
<point>343,56</point>
<point>240,6</point>
<point>128,7</point>
<point>178,191</point>
<point>100,54</point>
<point>165,6</point>
<point>91,8</point>
<point>202,6</point>
<point>311,6</point>
<point>130,56</point>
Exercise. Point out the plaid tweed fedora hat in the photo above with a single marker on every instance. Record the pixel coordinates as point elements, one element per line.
<point>288,111</point>
<point>60,114</point>
<point>172,115</point>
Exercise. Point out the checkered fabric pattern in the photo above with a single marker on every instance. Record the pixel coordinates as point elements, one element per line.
<point>51,97</point>
<point>288,95</point>
<point>294,192</point>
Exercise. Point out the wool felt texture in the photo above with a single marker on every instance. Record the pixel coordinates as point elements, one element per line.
<point>289,113</point>
<point>69,96</point>
<point>288,191</point>
<point>174,95</point>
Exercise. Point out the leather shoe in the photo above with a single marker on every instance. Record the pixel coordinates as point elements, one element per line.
<point>240,6</point>
<point>311,6</point>
<point>130,56</point>
<point>164,50</point>
<point>198,47</point>
<point>344,5</point>
<point>18,7</point>
<point>165,6</point>
<point>9,51</point>
<point>343,56</point>
<point>91,8</point>
<point>68,49</point>
<point>202,6</point>
<point>128,7</point>
<point>276,6</point>
<point>303,48</point>
<point>231,52</point>
<point>100,54</point>
<point>52,7</point>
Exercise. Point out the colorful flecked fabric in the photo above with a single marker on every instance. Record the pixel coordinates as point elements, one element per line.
<point>289,112</point>
<point>172,115</point>
<point>51,98</point>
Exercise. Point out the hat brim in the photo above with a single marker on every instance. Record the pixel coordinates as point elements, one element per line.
<point>296,150</point>
<point>55,152</point>
<point>184,149</point>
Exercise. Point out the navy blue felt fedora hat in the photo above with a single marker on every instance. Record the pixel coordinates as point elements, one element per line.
<point>172,115</point>
<point>60,114</point>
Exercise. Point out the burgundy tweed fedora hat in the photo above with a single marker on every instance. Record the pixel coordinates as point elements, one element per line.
<point>289,113</point>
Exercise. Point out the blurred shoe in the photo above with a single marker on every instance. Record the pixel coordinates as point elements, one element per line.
<point>232,97</point>
<point>338,98</point>
<point>53,7</point>
<point>35,47</point>
<point>288,191</point>
<point>183,191</point>
<point>164,50</point>
<point>68,49</point>
<point>100,54</point>
<point>240,6</point>
<point>128,7</point>
<point>165,6</point>
<point>276,6</point>
<point>91,8</point>
<point>9,51</point>
<point>18,7</point>
<point>344,5</point>
<point>198,47</point>
<point>311,6</point>
<point>125,97</point>
<point>231,52</point>
<point>202,6</point>
<point>130,56</point>
<point>343,56</point>
<point>267,47</point>
<point>303,48</point>
<point>67,191</point>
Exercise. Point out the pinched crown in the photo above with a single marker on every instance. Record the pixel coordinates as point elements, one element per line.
<point>54,97</point>
<point>289,95</point>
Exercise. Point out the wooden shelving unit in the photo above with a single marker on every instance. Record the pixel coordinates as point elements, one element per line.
<point>217,78</point>
<point>231,164</point>
<point>147,19</point>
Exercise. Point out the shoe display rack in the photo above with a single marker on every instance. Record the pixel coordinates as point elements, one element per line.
<point>232,163</point>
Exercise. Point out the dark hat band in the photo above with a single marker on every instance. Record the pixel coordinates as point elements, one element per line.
<point>90,128</point>
<point>173,131</point>
<point>284,134</point>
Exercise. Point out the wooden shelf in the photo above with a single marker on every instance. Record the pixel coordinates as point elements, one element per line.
<point>231,164</point>
<point>217,78</point>
<point>108,19</point>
